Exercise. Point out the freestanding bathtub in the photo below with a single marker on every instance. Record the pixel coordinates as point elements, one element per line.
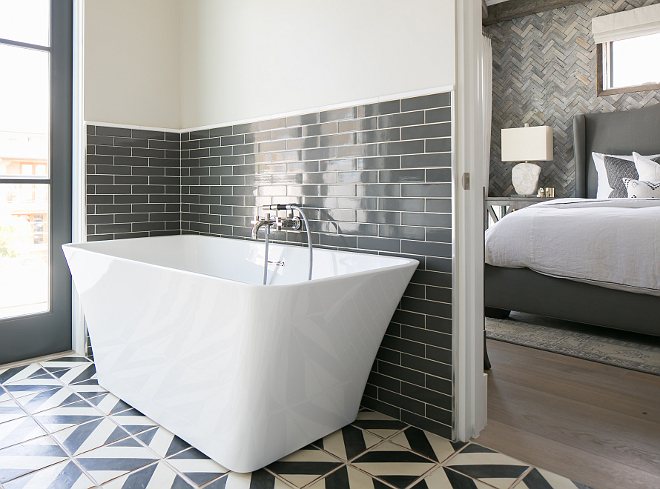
<point>183,330</point>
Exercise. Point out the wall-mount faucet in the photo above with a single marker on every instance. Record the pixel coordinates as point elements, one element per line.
<point>290,222</point>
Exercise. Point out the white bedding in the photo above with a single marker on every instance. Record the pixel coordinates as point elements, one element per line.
<point>613,243</point>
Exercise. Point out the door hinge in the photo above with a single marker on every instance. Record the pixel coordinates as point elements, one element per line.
<point>466,181</point>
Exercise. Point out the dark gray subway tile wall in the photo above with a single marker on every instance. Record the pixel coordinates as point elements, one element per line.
<point>133,183</point>
<point>374,178</point>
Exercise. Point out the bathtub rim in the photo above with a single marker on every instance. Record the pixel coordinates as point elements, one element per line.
<point>409,262</point>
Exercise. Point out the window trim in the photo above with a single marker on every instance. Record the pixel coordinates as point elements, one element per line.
<point>615,91</point>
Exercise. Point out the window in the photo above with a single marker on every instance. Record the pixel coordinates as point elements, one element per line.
<point>629,65</point>
<point>628,46</point>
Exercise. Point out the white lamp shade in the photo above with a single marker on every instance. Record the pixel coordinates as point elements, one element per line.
<point>527,144</point>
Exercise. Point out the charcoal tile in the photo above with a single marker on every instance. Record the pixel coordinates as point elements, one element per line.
<point>438,145</point>
<point>383,244</point>
<point>302,120</point>
<point>401,148</point>
<point>400,120</point>
<point>220,131</point>
<point>112,150</point>
<point>111,131</point>
<point>426,102</point>
<point>402,176</point>
<point>438,115</point>
<point>400,204</point>
<point>426,131</point>
<point>338,114</point>
<point>426,160</point>
<point>381,108</point>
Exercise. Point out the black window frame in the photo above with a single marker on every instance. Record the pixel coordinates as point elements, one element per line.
<point>39,334</point>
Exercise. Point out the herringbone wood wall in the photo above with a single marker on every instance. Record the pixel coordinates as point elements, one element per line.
<point>544,73</point>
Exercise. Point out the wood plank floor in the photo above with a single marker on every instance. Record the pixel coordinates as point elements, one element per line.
<point>595,424</point>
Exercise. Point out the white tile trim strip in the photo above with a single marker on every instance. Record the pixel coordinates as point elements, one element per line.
<point>373,100</point>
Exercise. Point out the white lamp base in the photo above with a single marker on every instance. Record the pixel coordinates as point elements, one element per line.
<point>525,177</point>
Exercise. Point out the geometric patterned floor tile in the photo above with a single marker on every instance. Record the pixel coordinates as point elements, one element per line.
<point>19,431</point>
<point>88,388</point>
<point>4,396</point>
<point>65,416</point>
<point>348,442</point>
<point>111,461</point>
<point>163,442</point>
<point>379,424</point>
<point>196,466</point>
<point>109,404</point>
<point>62,363</point>
<point>542,479</point>
<point>9,410</point>
<point>88,436</point>
<point>393,464</point>
<point>13,374</point>
<point>155,476</point>
<point>444,478</point>
<point>24,387</point>
<point>64,475</point>
<point>259,479</point>
<point>133,421</point>
<point>427,444</point>
<point>349,478</point>
<point>41,401</point>
<point>76,374</point>
<point>29,456</point>
<point>304,466</point>
<point>487,465</point>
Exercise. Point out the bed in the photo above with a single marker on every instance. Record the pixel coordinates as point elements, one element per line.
<point>524,290</point>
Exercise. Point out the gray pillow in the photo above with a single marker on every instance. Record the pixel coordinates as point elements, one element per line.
<point>618,169</point>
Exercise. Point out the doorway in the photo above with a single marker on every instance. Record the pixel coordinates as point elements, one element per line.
<point>35,177</point>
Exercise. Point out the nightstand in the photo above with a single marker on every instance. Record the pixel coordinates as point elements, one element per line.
<point>505,205</point>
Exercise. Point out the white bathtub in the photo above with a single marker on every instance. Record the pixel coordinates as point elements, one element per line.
<point>183,330</point>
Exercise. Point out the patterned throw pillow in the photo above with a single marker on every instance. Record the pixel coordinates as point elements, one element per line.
<point>618,169</point>
<point>604,190</point>
<point>641,189</point>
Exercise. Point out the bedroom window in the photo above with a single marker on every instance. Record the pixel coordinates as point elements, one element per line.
<point>628,44</point>
<point>629,65</point>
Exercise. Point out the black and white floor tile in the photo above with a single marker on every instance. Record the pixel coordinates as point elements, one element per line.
<point>394,464</point>
<point>305,466</point>
<point>62,475</point>
<point>196,466</point>
<point>348,443</point>
<point>59,429</point>
<point>487,465</point>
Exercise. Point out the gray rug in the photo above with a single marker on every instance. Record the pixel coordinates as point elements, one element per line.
<point>621,349</point>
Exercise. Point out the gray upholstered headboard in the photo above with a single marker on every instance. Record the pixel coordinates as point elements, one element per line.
<point>616,133</point>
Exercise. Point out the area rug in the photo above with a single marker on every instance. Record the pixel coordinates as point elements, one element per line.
<point>621,349</point>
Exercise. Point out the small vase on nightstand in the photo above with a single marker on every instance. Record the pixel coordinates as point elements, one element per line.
<point>525,178</point>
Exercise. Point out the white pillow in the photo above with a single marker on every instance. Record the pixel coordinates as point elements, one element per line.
<point>604,189</point>
<point>642,190</point>
<point>648,169</point>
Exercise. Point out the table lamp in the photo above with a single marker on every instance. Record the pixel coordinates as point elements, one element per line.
<point>526,144</point>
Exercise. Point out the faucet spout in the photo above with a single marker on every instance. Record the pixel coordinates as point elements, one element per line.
<point>257,225</point>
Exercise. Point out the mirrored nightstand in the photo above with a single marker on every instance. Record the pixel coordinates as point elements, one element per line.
<point>498,207</point>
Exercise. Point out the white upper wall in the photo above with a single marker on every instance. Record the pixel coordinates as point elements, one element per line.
<point>191,63</point>
<point>132,62</point>
<point>244,59</point>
